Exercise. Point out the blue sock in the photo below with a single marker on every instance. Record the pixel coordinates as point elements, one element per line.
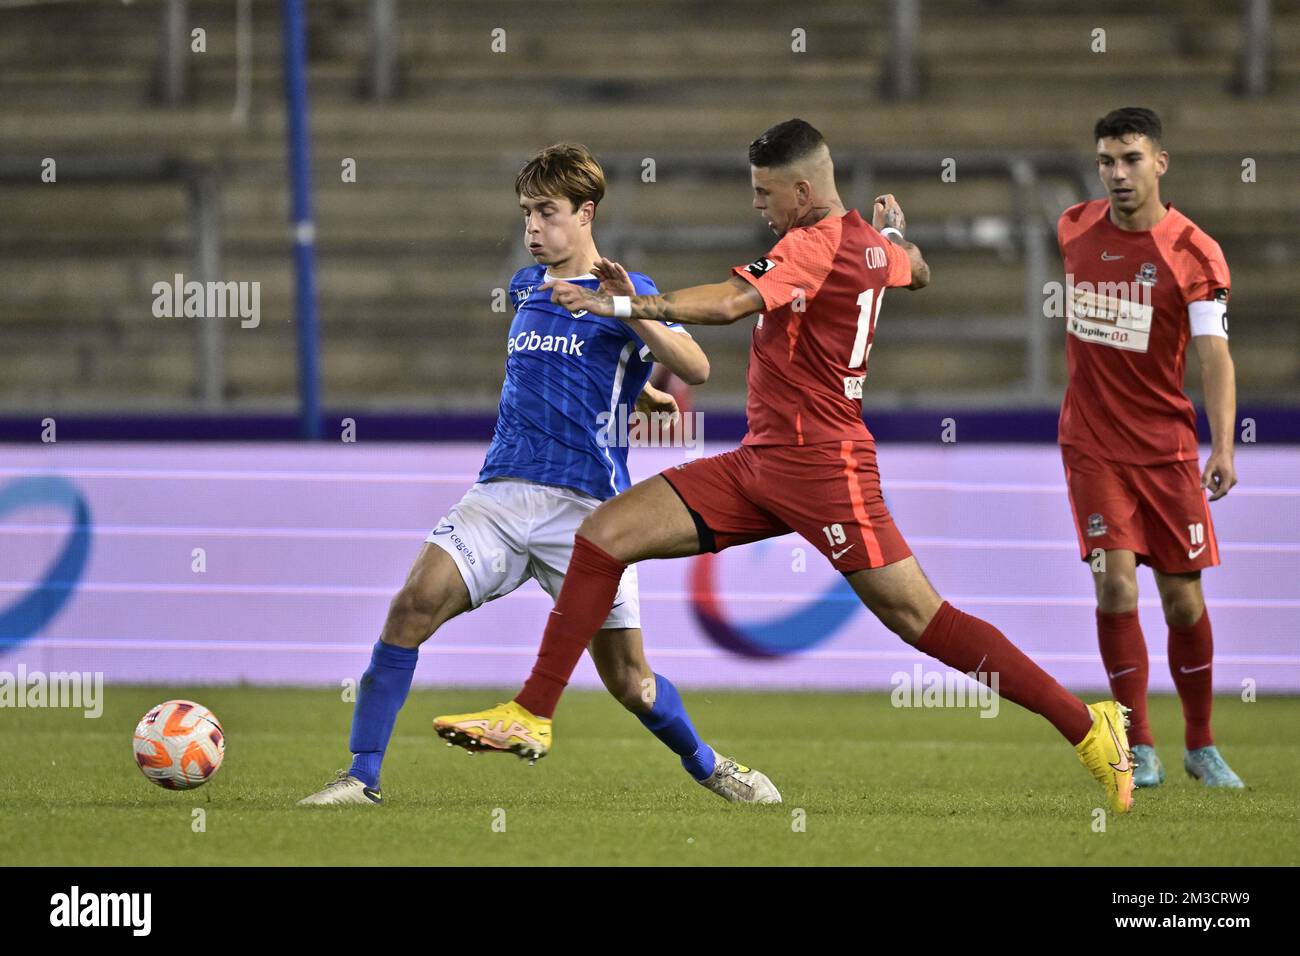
<point>669,722</point>
<point>383,690</point>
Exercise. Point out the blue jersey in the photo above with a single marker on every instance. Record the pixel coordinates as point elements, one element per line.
<point>566,375</point>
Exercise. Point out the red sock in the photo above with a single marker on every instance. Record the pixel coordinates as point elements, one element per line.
<point>584,602</point>
<point>1191,651</point>
<point>970,645</point>
<point>1124,655</point>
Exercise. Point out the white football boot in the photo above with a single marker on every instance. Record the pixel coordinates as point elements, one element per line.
<point>344,788</point>
<point>739,784</point>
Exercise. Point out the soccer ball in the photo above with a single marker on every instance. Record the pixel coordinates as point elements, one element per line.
<point>179,744</point>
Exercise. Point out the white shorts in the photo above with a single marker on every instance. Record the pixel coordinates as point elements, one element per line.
<point>506,530</point>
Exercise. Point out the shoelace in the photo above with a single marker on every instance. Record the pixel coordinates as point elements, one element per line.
<point>340,778</point>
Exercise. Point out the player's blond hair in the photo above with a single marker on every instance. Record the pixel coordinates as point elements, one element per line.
<point>565,169</point>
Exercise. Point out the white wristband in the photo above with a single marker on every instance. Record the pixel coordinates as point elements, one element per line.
<point>888,229</point>
<point>622,307</point>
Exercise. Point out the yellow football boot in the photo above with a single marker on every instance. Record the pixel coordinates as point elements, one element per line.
<point>505,728</point>
<point>1105,752</point>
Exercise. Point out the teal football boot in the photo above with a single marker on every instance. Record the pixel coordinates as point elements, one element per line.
<point>1207,765</point>
<point>1148,771</point>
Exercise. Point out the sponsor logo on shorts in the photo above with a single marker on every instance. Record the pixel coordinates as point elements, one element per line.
<point>1096,526</point>
<point>1196,552</point>
<point>464,549</point>
<point>458,541</point>
<point>837,554</point>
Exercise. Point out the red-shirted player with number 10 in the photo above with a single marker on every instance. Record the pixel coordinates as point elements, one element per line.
<point>1142,282</point>
<point>808,463</point>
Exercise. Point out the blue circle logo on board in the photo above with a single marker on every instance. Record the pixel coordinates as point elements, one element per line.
<point>24,618</point>
<point>790,633</point>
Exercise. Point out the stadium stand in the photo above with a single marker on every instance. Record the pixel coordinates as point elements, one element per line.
<point>409,254</point>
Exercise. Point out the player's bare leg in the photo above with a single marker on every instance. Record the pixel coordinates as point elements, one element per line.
<point>433,594</point>
<point>1114,579</point>
<point>901,596</point>
<point>646,521</point>
<point>620,660</point>
<point>1191,656</point>
<point>619,656</point>
<point>1124,655</point>
<point>1181,598</point>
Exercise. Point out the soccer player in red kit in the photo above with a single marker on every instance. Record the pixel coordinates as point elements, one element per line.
<point>808,463</point>
<point>1142,282</point>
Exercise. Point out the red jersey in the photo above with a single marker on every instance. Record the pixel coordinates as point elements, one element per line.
<point>1127,298</point>
<point>822,286</point>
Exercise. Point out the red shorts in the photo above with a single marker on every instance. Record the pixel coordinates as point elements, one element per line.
<point>1159,512</point>
<point>829,493</point>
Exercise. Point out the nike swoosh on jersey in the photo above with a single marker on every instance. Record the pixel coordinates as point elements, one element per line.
<point>1109,258</point>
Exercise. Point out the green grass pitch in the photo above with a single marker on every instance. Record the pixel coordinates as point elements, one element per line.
<point>863,782</point>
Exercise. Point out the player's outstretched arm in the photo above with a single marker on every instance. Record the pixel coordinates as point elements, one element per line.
<point>720,303</point>
<point>678,353</point>
<point>886,213</point>
<point>1219,378</point>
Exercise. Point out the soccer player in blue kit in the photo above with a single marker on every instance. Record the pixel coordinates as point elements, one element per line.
<point>550,464</point>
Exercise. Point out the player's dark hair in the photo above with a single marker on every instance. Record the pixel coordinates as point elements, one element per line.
<point>1129,121</point>
<point>784,144</point>
<point>565,169</point>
